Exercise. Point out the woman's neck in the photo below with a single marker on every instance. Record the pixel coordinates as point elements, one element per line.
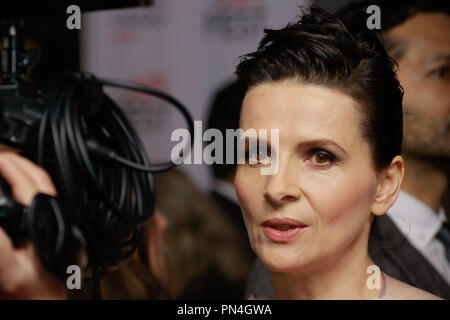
<point>343,276</point>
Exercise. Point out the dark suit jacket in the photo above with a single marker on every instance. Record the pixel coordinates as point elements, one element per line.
<point>391,251</point>
<point>233,214</point>
<point>232,211</point>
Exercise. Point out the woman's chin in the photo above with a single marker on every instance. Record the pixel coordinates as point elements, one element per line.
<point>282,263</point>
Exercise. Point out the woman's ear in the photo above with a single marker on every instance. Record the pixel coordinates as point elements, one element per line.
<point>389,182</point>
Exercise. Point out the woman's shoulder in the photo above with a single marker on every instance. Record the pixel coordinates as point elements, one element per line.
<point>398,290</point>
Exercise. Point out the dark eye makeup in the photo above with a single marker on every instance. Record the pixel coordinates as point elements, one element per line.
<point>325,155</point>
<point>442,72</point>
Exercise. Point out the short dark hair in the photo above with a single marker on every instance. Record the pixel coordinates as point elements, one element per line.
<point>224,114</point>
<point>318,49</point>
<point>393,13</point>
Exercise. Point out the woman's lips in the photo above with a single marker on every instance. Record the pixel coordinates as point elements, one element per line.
<point>282,229</point>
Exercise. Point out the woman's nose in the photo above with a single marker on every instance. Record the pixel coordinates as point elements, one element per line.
<point>281,189</point>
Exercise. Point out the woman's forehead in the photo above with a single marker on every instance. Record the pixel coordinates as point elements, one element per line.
<point>303,113</point>
<point>293,106</point>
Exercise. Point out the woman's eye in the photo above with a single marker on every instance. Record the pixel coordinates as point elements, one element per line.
<point>443,72</point>
<point>322,157</point>
<point>257,157</point>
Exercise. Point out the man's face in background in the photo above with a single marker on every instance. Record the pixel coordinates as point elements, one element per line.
<point>422,50</point>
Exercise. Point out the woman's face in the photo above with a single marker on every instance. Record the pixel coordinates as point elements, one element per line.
<point>318,204</point>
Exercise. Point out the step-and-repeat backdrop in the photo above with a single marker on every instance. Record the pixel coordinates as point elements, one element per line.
<point>188,48</point>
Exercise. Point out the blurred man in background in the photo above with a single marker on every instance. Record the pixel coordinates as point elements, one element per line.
<point>416,36</point>
<point>224,114</point>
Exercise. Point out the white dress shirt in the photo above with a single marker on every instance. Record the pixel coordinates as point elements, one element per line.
<point>420,225</point>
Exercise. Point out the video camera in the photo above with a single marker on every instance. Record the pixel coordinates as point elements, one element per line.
<point>82,138</point>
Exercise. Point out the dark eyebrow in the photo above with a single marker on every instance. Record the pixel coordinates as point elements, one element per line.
<point>440,57</point>
<point>321,143</point>
<point>395,46</point>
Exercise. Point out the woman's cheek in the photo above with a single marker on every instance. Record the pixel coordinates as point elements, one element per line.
<point>242,184</point>
<point>347,208</point>
<point>247,190</point>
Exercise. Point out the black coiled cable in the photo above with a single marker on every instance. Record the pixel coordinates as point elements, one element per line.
<point>99,166</point>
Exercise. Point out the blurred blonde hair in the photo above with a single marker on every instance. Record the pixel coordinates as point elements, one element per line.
<point>133,278</point>
<point>198,239</point>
